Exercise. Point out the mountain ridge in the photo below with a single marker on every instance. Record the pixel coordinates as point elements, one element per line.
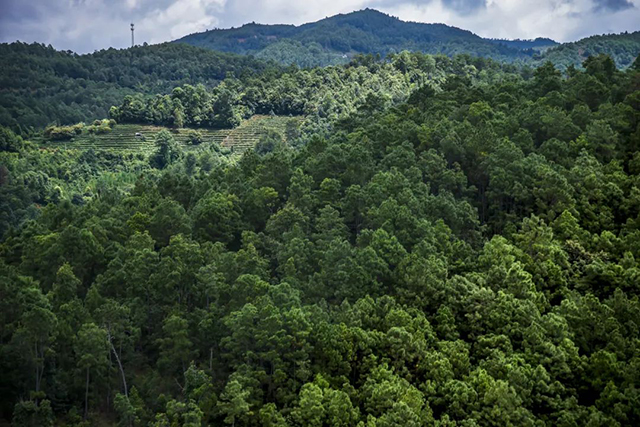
<point>364,31</point>
<point>336,39</point>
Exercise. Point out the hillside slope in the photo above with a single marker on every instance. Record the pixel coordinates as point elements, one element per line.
<point>466,256</point>
<point>40,85</point>
<point>623,48</point>
<point>539,44</point>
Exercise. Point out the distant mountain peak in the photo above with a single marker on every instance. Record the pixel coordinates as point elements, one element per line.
<point>366,12</point>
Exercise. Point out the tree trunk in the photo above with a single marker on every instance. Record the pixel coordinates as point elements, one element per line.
<point>115,353</point>
<point>109,383</point>
<point>37,368</point>
<point>86,396</point>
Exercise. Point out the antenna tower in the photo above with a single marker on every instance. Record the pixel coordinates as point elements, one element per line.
<point>132,43</point>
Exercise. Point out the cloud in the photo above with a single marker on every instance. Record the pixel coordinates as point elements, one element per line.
<point>465,6</point>
<point>613,5</point>
<point>238,12</point>
<point>87,25</point>
<point>561,20</point>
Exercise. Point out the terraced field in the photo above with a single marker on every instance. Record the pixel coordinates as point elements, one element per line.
<point>245,136</point>
<point>123,137</point>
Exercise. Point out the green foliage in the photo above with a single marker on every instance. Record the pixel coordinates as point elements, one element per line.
<point>447,242</point>
<point>61,133</point>
<point>41,85</point>
<point>233,403</point>
<point>195,137</point>
<point>9,141</point>
<point>33,414</point>
<point>175,347</point>
<point>167,150</point>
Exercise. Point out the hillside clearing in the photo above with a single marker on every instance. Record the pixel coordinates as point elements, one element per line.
<point>140,138</point>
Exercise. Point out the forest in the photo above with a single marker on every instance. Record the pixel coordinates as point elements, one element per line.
<point>444,242</point>
<point>324,94</point>
<point>40,86</point>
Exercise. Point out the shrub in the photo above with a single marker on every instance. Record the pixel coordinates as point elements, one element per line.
<point>60,133</point>
<point>195,137</point>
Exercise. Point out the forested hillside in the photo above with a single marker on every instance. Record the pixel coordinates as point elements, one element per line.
<point>323,94</point>
<point>623,48</point>
<point>443,244</point>
<point>539,44</point>
<point>336,39</point>
<point>40,85</point>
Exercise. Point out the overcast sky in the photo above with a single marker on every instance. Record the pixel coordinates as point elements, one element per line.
<point>88,25</point>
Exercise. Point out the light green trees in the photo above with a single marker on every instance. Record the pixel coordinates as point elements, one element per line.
<point>233,403</point>
<point>320,405</point>
<point>33,414</point>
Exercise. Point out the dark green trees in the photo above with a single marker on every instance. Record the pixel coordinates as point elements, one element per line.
<point>167,150</point>
<point>467,258</point>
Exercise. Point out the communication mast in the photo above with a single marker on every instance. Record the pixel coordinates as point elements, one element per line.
<point>132,44</point>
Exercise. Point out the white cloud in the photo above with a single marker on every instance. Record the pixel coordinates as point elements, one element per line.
<point>238,12</point>
<point>87,25</point>
<point>180,18</point>
<point>560,20</point>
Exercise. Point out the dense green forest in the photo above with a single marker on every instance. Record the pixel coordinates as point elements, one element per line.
<point>449,242</point>
<point>323,94</point>
<point>40,85</point>
<point>623,48</point>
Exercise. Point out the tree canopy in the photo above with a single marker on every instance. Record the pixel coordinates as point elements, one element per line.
<point>445,242</point>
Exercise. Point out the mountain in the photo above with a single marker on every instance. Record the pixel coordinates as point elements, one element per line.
<point>338,38</point>
<point>622,48</point>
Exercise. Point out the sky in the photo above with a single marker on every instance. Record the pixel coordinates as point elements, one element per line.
<point>88,25</point>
